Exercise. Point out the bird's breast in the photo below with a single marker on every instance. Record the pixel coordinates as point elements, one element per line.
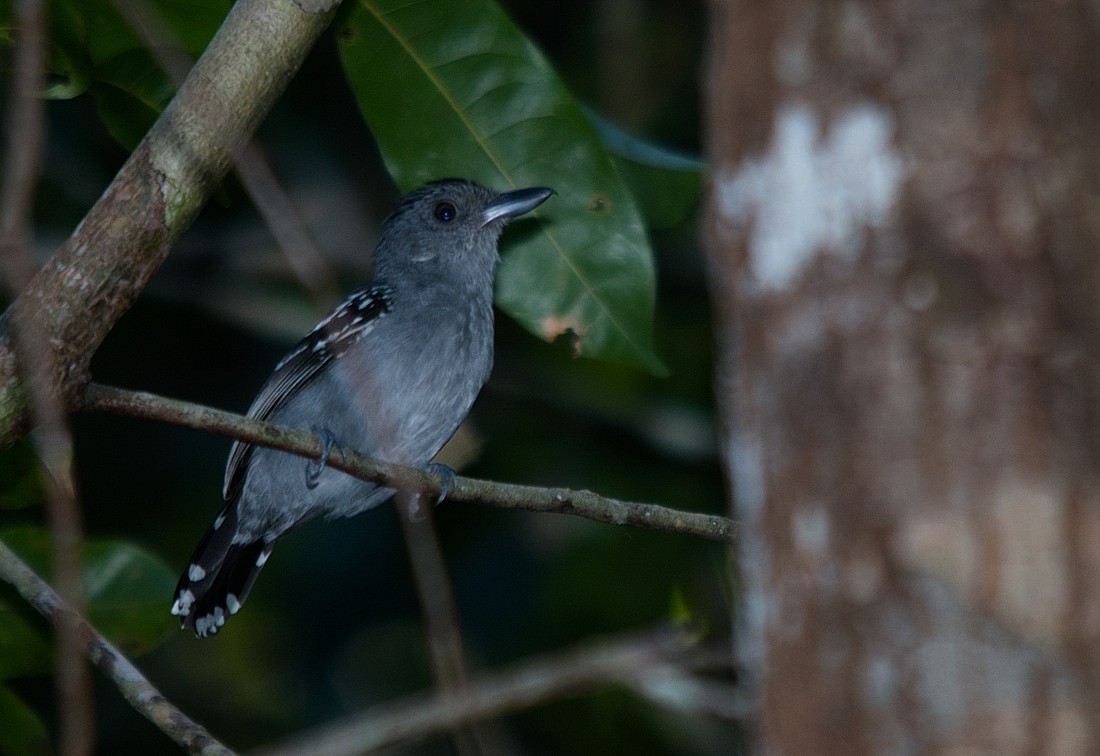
<point>414,379</point>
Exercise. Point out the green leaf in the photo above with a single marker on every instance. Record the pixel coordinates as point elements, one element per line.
<point>21,477</point>
<point>128,591</point>
<point>21,731</point>
<point>130,92</point>
<point>126,117</point>
<point>667,184</point>
<point>93,49</point>
<point>66,86</point>
<point>98,32</point>
<point>23,649</point>
<point>452,88</point>
<point>126,588</point>
<point>679,613</point>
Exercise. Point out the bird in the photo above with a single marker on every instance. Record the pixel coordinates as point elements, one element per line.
<point>390,372</point>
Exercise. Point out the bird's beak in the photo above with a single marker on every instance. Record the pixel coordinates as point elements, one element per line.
<point>513,203</point>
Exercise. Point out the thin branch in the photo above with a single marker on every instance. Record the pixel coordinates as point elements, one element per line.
<point>285,223</point>
<point>644,662</point>
<point>53,442</point>
<point>437,604</point>
<point>25,125</point>
<point>137,690</point>
<point>466,490</point>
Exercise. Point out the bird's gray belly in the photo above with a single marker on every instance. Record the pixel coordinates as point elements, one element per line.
<point>397,404</point>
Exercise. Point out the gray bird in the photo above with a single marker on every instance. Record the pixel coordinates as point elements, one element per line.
<point>390,372</point>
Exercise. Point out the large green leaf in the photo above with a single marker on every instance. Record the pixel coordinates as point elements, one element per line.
<point>126,588</point>
<point>452,88</point>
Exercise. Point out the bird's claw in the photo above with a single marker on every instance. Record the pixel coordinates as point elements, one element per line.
<point>314,468</point>
<point>447,479</point>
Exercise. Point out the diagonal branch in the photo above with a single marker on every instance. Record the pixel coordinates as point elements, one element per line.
<point>97,274</point>
<point>644,663</point>
<point>133,685</point>
<point>466,490</point>
<point>252,167</point>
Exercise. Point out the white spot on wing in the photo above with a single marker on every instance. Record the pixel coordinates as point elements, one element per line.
<point>232,604</point>
<point>195,573</point>
<point>261,560</point>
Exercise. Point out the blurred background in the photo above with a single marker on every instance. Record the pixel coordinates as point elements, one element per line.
<point>333,625</point>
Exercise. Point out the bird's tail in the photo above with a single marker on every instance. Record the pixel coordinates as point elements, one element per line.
<point>220,575</point>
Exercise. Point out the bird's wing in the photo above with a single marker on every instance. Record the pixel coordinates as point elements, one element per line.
<point>352,319</point>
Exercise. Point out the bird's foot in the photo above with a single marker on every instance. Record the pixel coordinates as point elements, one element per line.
<point>314,468</point>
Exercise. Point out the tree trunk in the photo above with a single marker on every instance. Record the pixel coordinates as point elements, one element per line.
<point>903,233</point>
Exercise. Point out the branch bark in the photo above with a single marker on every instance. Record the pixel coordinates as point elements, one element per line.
<point>641,663</point>
<point>133,685</point>
<point>465,490</point>
<point>443,635</point>
<point>663,666</point>
<point>97,274</point>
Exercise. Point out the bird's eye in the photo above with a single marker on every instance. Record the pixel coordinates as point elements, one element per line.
<point>445,212</point>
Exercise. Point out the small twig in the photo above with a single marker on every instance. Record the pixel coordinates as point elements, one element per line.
<point>437,605</point>
<point>466,490</point>
<point>137,690</point>
<point>280,214</point>
<point>53,442</point>
<point>25,126</point>
<point>633,662</point>
<point>252,167</point>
